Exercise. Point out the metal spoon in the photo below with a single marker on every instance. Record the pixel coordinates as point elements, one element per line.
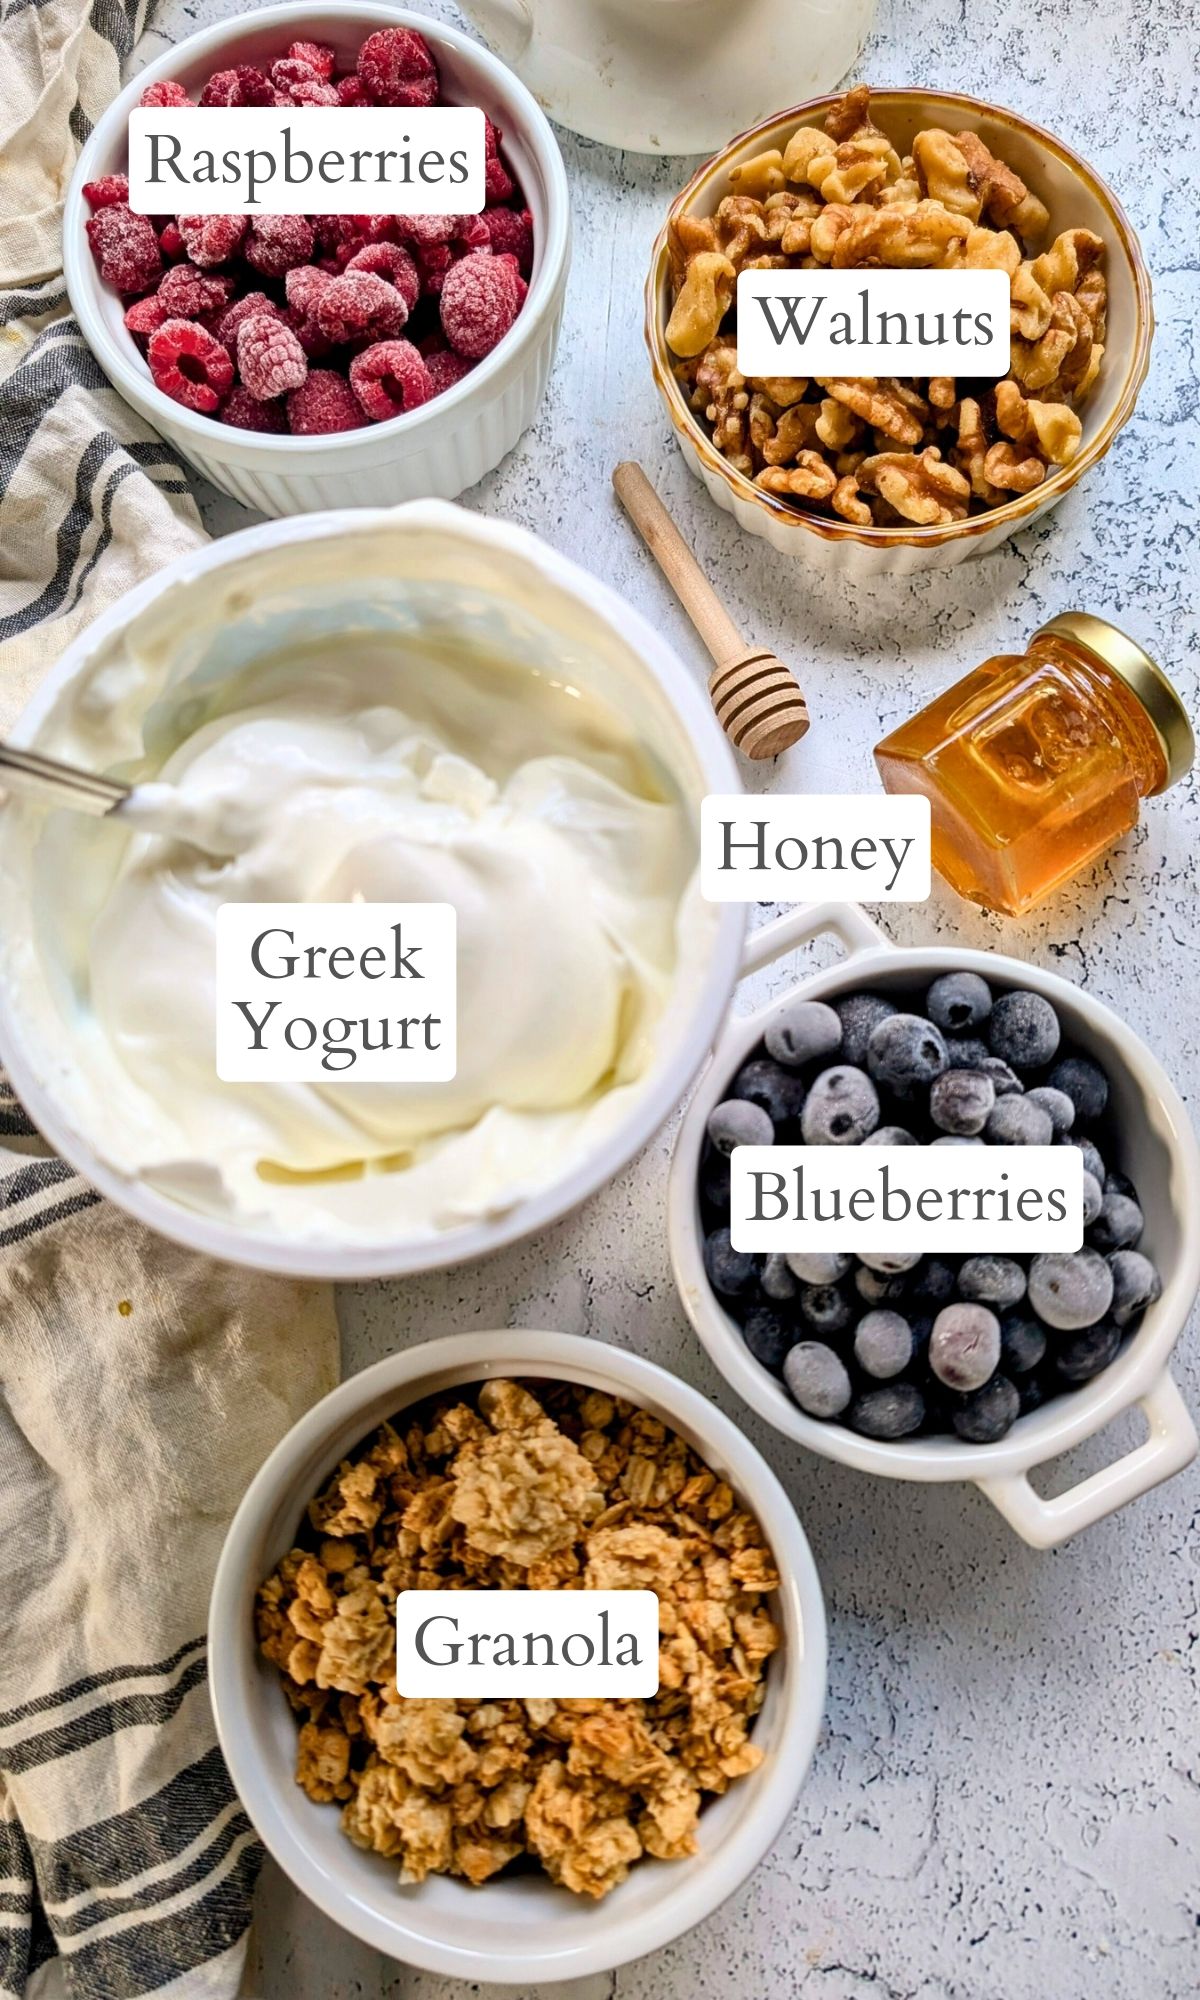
<point>150,808</point>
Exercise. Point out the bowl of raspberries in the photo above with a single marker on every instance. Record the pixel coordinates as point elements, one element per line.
<point>310,361</point>
<point>929,1366</point>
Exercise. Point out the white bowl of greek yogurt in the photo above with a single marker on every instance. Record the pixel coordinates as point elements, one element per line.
<point>404,705</point>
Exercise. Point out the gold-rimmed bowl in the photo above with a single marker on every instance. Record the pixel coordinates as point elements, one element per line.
<point>1076,198</point>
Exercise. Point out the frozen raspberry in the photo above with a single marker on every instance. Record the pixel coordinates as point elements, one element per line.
<point>390,261</point>
<point>472,233</point>
<point>190,365</point>
<point>445,368</point>
<point>189,293</point>
<point>145,316</point>
<point>165,96</point>
<point>316,55</point>
<point>125,248</point>
<point>323,404</point>
<point>360,306</point>
<point>493,138</point>
<point>305,286</point>
<point>246,413</point>
<point>397,68</point>
<point>511,230</point>
<point>518,280</point>
<point>479,303</point>
<point>310,93</point>
<point>333,230</point>
<point>270,358</point>
<point>433,262</point>
<point>106,192</point>
<point>498,183</point>
<point>212,239</point>
<point>277,243</point>
<point>390,378</point>
<point>235,88</point>
<point>426,229</point>
<point>170,242</point>
<point>293,75</point>
<point>351,90</point>
<point>250,304</point>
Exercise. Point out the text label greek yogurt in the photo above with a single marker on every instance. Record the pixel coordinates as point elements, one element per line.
<point>868,322</point>
<point>497,1645</point>
<point>336,992</point>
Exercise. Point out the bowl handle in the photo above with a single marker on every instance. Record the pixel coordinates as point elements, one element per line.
<point>1171,1445</point>
<point>845,921</point>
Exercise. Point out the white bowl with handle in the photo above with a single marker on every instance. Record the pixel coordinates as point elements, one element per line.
<point>518,1929</point>
<point>1158,1151</point>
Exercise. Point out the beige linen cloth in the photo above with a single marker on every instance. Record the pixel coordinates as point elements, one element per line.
<point>140,1386</point>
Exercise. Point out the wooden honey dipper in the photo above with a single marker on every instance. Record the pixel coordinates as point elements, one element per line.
<point>758,700</point>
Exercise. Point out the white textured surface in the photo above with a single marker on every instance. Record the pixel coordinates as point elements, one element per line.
<point>1006,1801</point>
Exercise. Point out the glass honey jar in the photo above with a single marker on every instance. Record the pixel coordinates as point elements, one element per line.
<point>1036,762</point>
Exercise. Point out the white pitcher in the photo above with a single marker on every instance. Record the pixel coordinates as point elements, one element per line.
<point>673,76</point>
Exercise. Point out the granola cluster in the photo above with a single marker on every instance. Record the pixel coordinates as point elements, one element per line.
<point>887,451</point>
<point>566,1489</point>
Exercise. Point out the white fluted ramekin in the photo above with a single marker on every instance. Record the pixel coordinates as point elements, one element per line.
<point>517,1931</point>
<point>449,443</point>
<point>1158,1151</point>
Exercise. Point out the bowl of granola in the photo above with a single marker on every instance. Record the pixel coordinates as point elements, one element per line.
<point>884,476</point>
<point>516,1841</point>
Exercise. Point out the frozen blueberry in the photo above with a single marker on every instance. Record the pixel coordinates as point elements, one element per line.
<point>1005,1081</point>
<point>990,1413</point>
<point>935,1283</point>
<point>1070,1289</point>
<point>894,1412</point>
<point>1093,1198</point>
<point>890,1135</point>
<point>1119,1223</point>
<point>818,1267</point>
<point>954,1139</point>
<point>768,1336</point>
<point>733,1273</point>
<point>737,1122</point>
<point>806,1031</point>
<point>958,1001</point>
<point>1136,1285</point>
<point>964,1346</point>
<point>1023,1030</point>
<point>1085,1083</point>
<point>1078,1359</point>
<point>1032,1393</point>
<point>874,1288</point>
<point>778,1091</point>
<point>1022,1346</point>
<point>778,1281</point>
<point>1092,1162</point>
<point>960,1100</point>
<point>889,1262</point>
<point>1014,1121</point>
<point>968,1052</point>
<point>883,1344</point>
<point>841,1109</point>
<point>860,1014</point>
<point>905,1053</point>
<point>1118,1183</point>
<point>825,1308</point>
<point>1057,1107</point>
<point>715,1180</point>
<point>817,1379</point>
<point>992,1281</point>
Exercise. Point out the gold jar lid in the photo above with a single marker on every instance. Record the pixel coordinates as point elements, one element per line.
<point>1143,676</point>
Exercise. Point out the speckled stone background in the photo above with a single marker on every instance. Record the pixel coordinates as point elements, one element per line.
<point>1005,1803</point>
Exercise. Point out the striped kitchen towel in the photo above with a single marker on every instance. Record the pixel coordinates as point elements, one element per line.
<point>140,1386</point>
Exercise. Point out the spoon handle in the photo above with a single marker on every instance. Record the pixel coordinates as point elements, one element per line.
<point>86,791</point>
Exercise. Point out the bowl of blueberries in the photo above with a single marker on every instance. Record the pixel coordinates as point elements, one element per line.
<point>928,1367</point>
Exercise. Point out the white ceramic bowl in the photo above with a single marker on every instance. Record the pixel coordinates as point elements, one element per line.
<point>248,595</point>
<point>1075,196</point>
<point>521,1931</point>
<point>449,443</point>
<point>1158,1151</point>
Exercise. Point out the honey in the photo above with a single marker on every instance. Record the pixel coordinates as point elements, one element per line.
<point>1037,761</point>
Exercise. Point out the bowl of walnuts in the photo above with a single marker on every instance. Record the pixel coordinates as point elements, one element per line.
<point>886,475</point>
